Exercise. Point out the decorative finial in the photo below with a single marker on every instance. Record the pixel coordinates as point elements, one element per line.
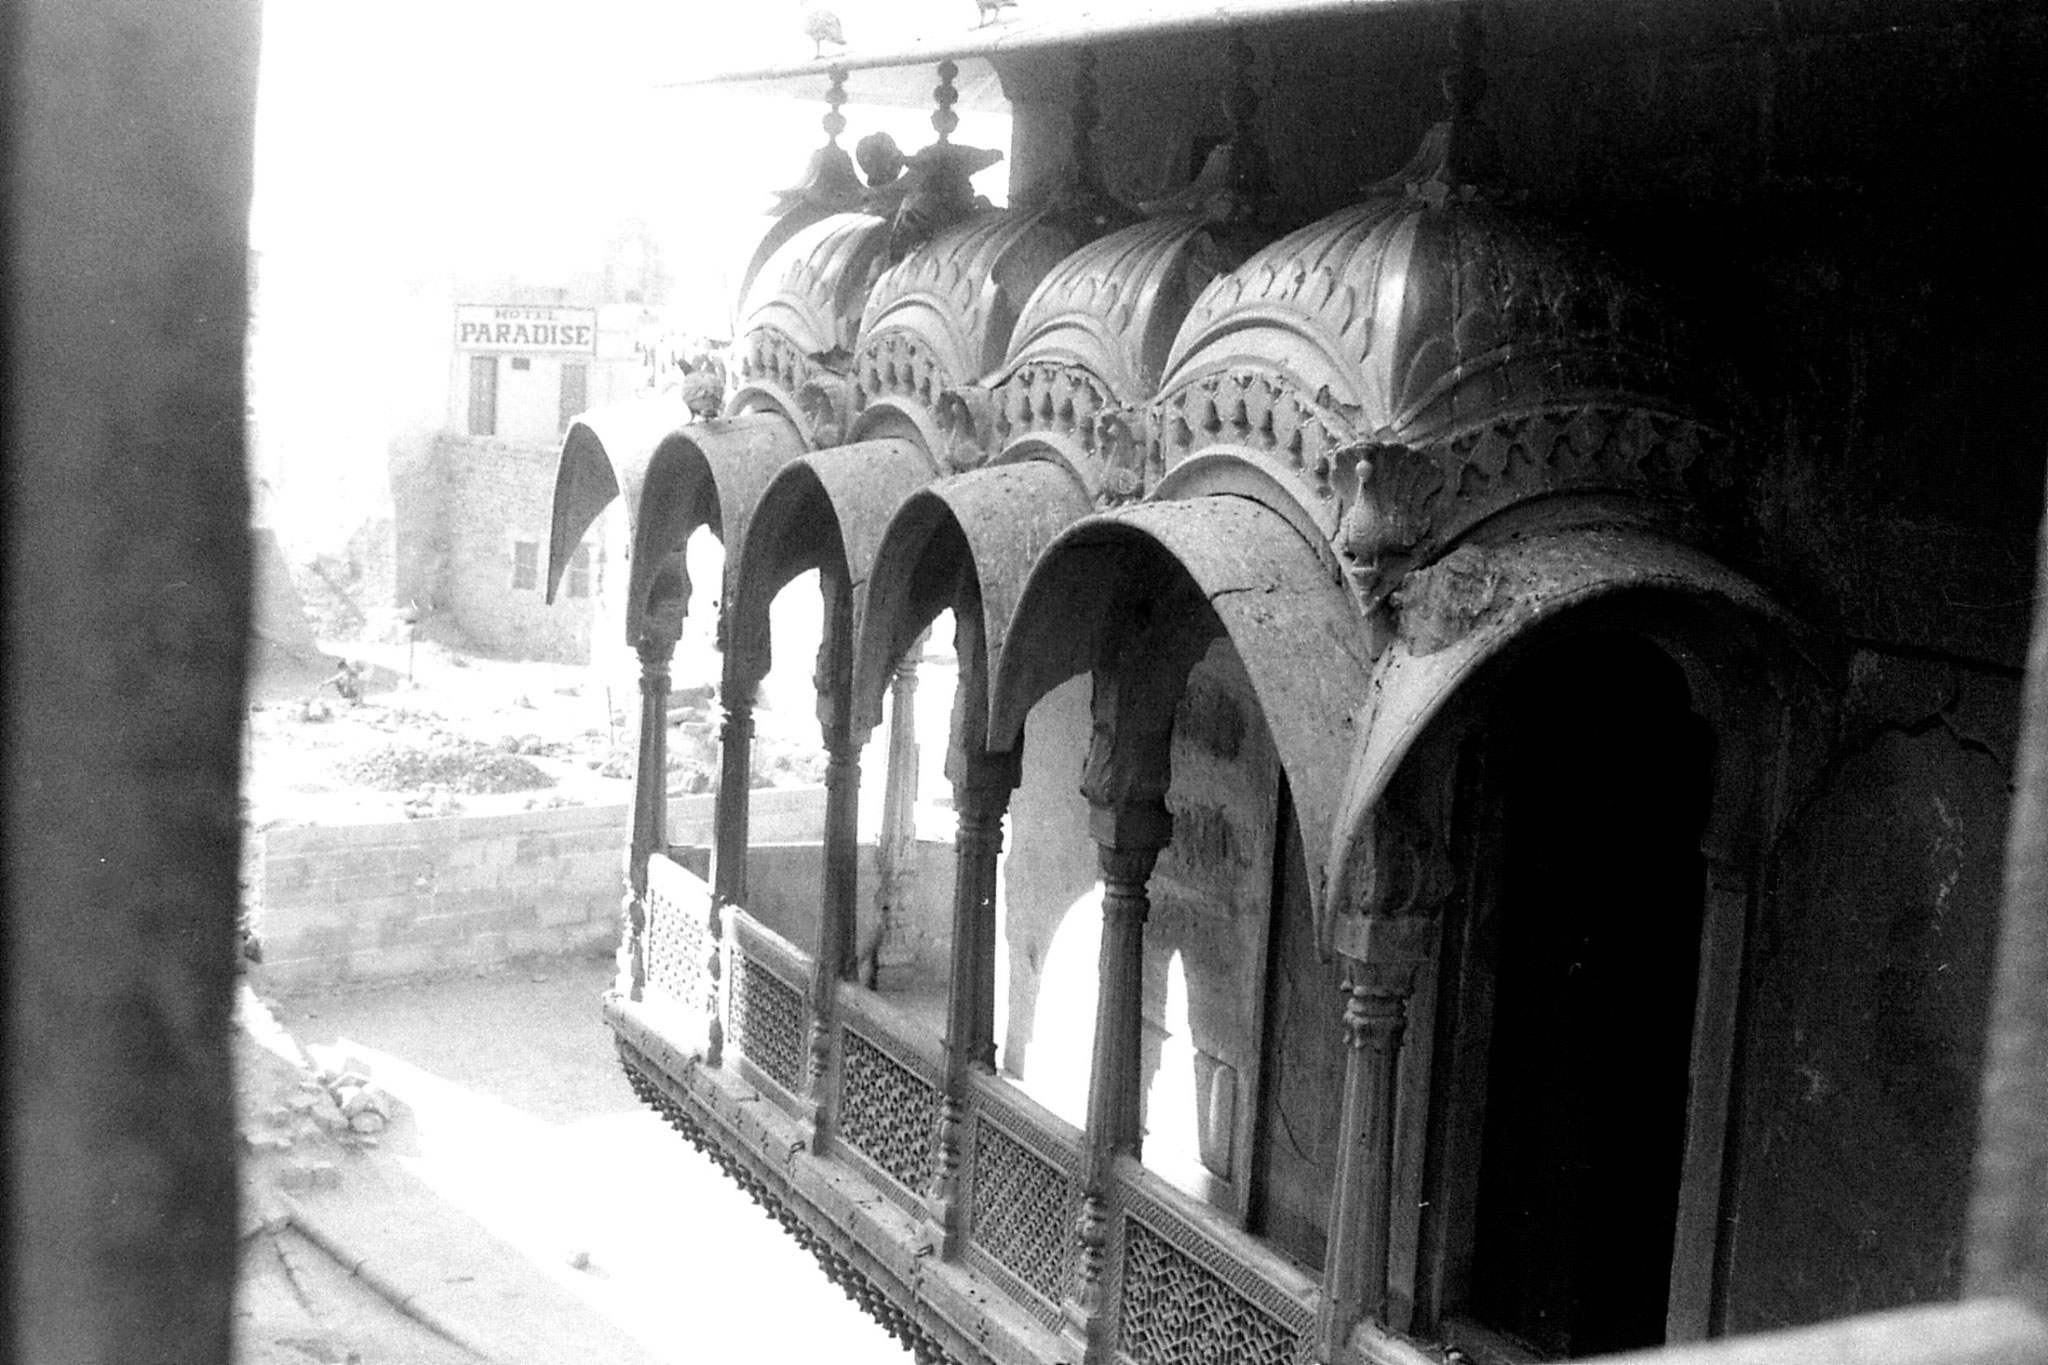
<point>1458,159</point>
<point>834,122</point>
<point>1077,189</point>
<point>1233,185</point>
<point>829,184</point>
<point>944,120</point>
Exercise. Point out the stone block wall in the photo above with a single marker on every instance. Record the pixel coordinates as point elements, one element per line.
<point>357,902</point>
<point>370,902</point>
<point>462,514</point>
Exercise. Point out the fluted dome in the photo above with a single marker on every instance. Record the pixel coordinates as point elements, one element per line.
<point>815,285</point>
<point>804,304</point>
<point>1114,306</point>
<point>944,313</point>
<point>1415,316</point>
<point>1424,359</point>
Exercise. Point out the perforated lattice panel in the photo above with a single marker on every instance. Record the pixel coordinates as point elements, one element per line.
<point>1023,1211</point>
<point>769,1022</point>
<point>678,948</point>
<point>887,1113</point>
<point>1178,1312</point>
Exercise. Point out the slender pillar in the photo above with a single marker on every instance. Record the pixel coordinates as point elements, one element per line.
<point>837,955</point>
<point>981,795</point>
<point>1382,956</point>
<point>1355,1278</point>
<point>735,765</point>
<point>655,647</point>
<point>1129,837</point>
<point>892,956</point>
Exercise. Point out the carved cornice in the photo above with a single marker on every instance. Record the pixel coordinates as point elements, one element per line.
<point>1409,504</point>
<point>1265,409</point>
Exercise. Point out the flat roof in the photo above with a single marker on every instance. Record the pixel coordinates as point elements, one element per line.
<point>890,51</point>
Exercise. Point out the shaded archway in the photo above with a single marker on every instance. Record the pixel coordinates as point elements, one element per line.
<point>675,478</point>
<point>1457,796</point>
<point>1212,631</point>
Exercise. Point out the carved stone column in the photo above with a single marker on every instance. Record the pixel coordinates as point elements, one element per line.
<point>735,767</point>
<point>981,795</point>
<point>891,957</point>
<point>1377,987</point>
<point>1114,1098</point>
<point>655,646</point>
<point>837,958</point>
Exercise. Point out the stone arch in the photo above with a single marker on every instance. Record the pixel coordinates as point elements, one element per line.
<point>1403,864</point>
<point>674,478</point>
<point>1266,587</point>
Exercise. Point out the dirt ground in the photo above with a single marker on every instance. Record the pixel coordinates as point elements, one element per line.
<point>434,732</point>
<point>516,1205</point>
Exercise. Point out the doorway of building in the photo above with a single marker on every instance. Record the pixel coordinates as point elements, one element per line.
<point>1599,783</point>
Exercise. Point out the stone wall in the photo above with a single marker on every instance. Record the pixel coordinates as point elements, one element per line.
<point>472,503</point>
<point>368,902</point>
<point>356,902</point>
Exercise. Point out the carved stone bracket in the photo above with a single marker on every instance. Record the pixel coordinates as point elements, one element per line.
<point>1404,504</point>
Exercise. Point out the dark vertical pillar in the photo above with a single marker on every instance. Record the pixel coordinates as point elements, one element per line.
<point>656,646</point>
<point>735,765</point>
<point>837,957</point>
<point>893,954</point>
<point>2009,1214</point>
<point>128,150</point>
<point>1355,1274</point>
<point>981,796</point>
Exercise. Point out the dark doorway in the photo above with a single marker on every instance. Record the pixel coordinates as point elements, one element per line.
<point>1605,776</point>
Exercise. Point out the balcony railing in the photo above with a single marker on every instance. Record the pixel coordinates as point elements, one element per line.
<point>869,1112</point>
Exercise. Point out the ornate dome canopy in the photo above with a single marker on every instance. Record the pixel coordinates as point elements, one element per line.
<point>1114,306</point>
<point>804,305</point>
<point>1427,358</point>
<point>944,313</point>
<point>814,286</point>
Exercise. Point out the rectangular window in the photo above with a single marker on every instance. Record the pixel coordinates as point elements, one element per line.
<point>575,390</point>
<point>520,362</point>
<point>483,395</point>
<point>579,572</point>
<point>526,564</point>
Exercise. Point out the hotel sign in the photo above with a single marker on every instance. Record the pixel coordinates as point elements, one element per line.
<point>490,327</point>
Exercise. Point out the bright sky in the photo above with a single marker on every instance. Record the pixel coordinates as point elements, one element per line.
<point>504,135</point>
<point>398,144</point>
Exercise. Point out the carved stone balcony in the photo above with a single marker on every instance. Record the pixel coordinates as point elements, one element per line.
<point>957,1220</point>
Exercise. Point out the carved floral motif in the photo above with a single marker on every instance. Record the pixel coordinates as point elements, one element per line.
<point>1256,409</point>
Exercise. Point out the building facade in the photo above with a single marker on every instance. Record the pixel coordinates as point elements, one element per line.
<point>1488,547</point>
